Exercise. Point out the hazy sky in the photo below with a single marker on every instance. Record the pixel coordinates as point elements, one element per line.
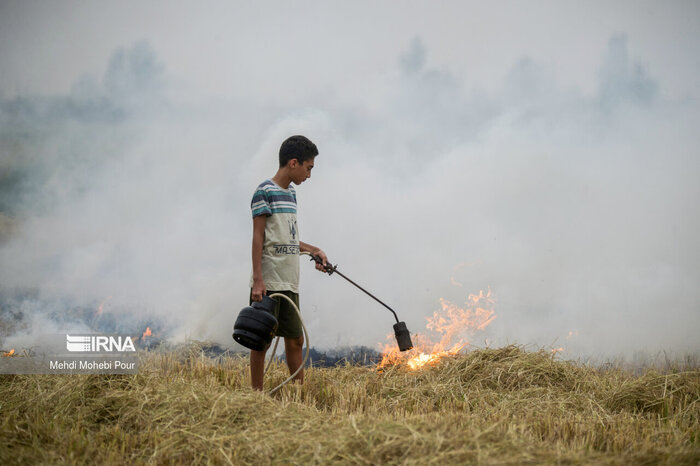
<point>547,150</point>
<point>273,50</point>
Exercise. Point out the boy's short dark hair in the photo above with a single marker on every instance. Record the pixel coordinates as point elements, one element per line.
<point>297,147</point>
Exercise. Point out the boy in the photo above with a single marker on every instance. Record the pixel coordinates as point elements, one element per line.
<point>276,248</point>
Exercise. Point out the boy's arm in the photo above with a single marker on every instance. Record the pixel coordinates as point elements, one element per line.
<point>258,238</point>
<point>305,247</point>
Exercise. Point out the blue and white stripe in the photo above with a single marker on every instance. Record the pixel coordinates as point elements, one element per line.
<point>271,199</point>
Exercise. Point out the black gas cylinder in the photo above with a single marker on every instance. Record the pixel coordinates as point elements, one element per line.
<point>255,326</point>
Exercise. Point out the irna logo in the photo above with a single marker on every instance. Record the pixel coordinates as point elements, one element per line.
<point>99,343</point>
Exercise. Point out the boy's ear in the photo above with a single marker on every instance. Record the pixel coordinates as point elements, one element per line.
<point>293,163</point>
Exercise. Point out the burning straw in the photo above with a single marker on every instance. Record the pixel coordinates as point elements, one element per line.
<point>454,326</point>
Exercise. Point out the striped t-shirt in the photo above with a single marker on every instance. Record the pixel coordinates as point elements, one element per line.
<point>280,256</point>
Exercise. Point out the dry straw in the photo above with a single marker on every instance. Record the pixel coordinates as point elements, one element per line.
<point>489,406</point>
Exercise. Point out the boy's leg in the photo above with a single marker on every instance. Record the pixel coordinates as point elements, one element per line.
<point>293,354</point>
<point>257,360</point>
<point>257,368</point>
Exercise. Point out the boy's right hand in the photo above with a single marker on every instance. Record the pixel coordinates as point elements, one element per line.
<point>258,290</point>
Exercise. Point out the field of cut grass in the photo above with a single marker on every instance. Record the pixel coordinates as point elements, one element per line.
<point>490,406</point>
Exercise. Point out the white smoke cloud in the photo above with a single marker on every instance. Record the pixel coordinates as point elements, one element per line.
<point>576,209</point>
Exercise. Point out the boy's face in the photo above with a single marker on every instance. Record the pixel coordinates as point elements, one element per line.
<point>300,172</point>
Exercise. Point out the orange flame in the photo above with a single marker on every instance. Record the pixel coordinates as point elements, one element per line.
<point>453,323</point>
<point>9,353</point>
<point>101,307</point>
<point>147,333</point>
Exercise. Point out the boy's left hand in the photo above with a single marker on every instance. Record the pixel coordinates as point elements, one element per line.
<point>322,255</point>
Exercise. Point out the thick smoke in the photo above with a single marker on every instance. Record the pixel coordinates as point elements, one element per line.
<point>577,210</point>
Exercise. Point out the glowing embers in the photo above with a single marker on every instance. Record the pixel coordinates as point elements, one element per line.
<point>453,326</point>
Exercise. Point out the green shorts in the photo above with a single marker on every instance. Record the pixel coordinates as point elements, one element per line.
<point>287,317</point>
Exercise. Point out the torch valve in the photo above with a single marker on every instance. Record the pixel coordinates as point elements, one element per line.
<point>329,268</point>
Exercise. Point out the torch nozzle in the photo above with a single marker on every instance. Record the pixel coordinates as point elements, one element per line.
<point>403,336</point>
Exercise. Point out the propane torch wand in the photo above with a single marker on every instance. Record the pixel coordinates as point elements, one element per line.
<point>403,336</point>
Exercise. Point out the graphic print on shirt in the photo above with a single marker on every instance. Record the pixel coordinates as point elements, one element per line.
<point>293,246</point>
<point>293,227</point>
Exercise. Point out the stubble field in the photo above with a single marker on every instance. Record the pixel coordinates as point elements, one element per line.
<point>490,406</point>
